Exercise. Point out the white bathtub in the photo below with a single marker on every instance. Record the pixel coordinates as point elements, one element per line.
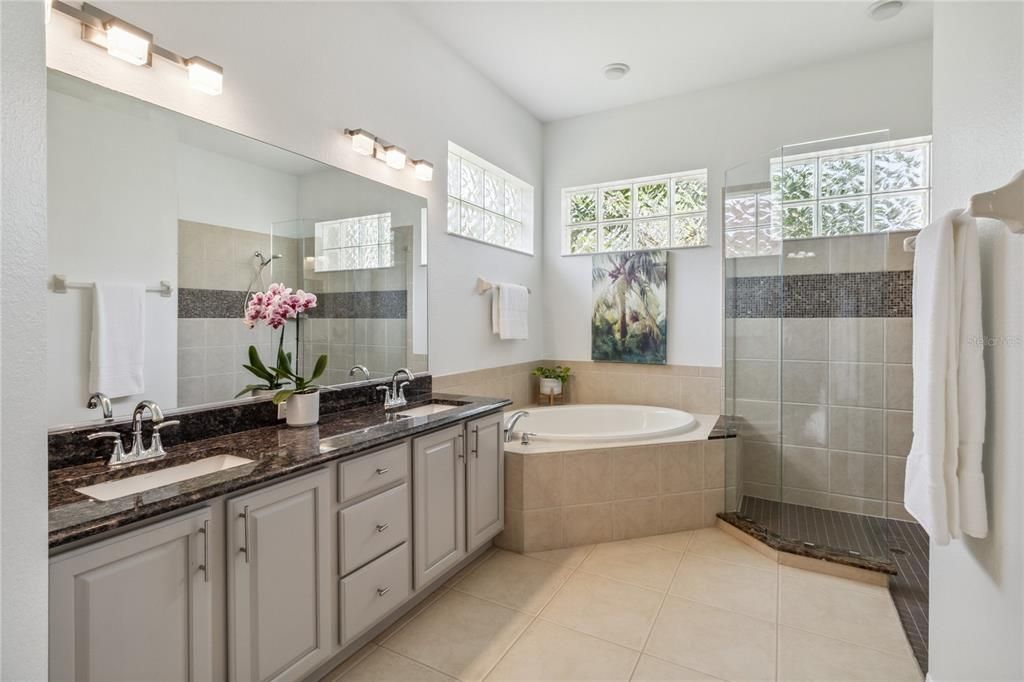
<point>571,425</point>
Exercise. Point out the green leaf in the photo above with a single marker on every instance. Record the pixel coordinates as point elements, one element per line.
<point>282,396</point>
<point>319,368</point>
<point>250,387</point>
<point>254,360</point>
<point>267,376</point>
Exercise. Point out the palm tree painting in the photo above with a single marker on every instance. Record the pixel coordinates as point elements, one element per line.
<point>629,323</point>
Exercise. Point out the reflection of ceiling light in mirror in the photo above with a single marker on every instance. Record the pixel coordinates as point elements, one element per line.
<point>362,141</point>
<point>127,42</point>
<point>885,9</point>
<point>205,76</point>
<point>394,156</point>
<point>424,170</point>
<point>616,71</point>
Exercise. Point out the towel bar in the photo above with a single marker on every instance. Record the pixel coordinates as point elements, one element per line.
<point>483,286</point>
<point>61,285</point>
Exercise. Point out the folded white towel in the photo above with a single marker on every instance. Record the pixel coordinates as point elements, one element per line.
<point>510,311</point>
<point>944,486</point>
<point>118,352</point>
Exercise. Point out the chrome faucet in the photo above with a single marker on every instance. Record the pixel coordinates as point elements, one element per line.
<point>101,400</point>
<point>138,453</point>
<point>511,424</point>
<point>395,396</point>
<point>359,368</point>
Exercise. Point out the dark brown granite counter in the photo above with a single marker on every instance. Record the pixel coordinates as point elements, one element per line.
<point>276,451</point>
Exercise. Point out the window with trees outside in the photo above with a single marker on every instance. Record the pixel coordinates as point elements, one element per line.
<point>855,190</point>
<point>487,204</point>
<point>660,212</point>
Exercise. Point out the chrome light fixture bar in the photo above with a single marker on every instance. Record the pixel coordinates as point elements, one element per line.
<point>367,144</point>
<point>135,45</point>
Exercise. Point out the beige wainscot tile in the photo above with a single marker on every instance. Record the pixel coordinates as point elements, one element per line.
<point>651,669</point>
<point>701,394</point>
<point>676,542</point>
<point>514,580</point>
<point>550,652</point>
<point>729,586</point>
<point>635,518</point>
<point>586,477</point>
<point>714,464</point>
<point>714,504</point>
<point>382,665</point>
<point>717,544</point>
<point>511,537</point>
<point>542,481</point>
<point>587,524</point>
<point>514,480</point>
<point>608,609</point>
<point>682,511</point>
<point>635,472</point>
<point>569,557</point>
<point>542,530</point>
<point>633,562</point>
<point>729,645</point>
<point>847,610</point>
<point>682,467</point>
<point>806,656</point>
<point>460,635</point>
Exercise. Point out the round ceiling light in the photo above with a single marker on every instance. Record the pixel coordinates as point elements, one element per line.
<point>885,9</point>
<point>616,71</point>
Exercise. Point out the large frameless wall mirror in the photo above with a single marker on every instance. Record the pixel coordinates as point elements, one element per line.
<point>141,195</point>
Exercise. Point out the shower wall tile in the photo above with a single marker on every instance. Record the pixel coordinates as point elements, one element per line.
<point>757,338</point>
<point>805,382</point>
<point>899,387</point>
<point>805,256</point>
<point>899,337</point>
<point>760,462</point>
<point>895,475</point>
<point>857,505</point>
<point>805,425</point>
<point>757,379</point>
<point>856,384</point>
<point>805,468</point>
<point>856,429</point>
<point>899,432</point>
<point>758,419</point>
<point>805,339</point>
<point>857,474</point>
<point>856,339</point>
<point>807,498</point>
<point>861,253</point>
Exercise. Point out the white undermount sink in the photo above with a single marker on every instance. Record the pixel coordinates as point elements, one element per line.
<point>425,410</point>
<point>111,490</point>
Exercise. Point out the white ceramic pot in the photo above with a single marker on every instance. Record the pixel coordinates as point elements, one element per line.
<point>303,409</point>
<point>260,392</point>
<point>550,386</point>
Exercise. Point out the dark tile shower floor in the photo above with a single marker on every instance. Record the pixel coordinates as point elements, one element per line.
<point>903,543</point>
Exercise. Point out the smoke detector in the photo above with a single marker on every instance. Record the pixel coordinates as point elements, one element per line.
<point>616,71</point>
<point>885,9</point>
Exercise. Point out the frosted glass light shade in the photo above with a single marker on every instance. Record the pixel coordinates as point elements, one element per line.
<point>128,42</point>
<point>205,76</point>
<point>394,157</point>
<point>362,142</point>
<point>424,170</point>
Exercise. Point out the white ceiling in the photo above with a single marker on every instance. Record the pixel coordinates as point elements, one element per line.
<point>549,56</point>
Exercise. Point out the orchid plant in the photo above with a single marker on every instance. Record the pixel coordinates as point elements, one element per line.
<point>274,308</point>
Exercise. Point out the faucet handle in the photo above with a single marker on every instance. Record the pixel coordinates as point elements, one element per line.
<point>163,425</point>
<point>401,389</point>
<point>117,457</point>
<point>156,448</point>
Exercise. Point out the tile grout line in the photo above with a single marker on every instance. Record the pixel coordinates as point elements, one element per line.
<point>661,605</point>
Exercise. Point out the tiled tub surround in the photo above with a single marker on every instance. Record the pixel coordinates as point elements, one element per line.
<point>844,378</point>
<point>579,497</point>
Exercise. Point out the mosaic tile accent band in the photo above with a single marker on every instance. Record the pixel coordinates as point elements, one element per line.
<point>840,294</point>
<point>218,303</point>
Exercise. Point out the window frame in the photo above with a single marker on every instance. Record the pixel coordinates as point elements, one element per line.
<point>383,225</point>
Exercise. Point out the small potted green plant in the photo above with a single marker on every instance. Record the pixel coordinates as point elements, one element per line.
<point>303,399</point>
<point>552,379</point>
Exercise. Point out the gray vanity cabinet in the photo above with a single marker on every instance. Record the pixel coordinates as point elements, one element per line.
<point>135,607</point>
<point>439,503</point>
<point>279,573</point>
<point>485,480</point>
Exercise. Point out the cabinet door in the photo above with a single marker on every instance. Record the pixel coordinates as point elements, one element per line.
<point>485,479</point>
<point>439,503</point>
<point>136,607</point>
<point>278,580</point>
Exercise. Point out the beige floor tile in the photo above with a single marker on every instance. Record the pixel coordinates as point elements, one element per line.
<point>677,542</point>
<point>516,581</point>
<point>406,618</point>
<point>806,656</point>
<point>550,652</point>
<point>459,635</point>
<point>609,609</point>
<point>352,661</point>
<point>633,562</point>
<point>570,557</point>
<point>722,643</point>
<point>840,611</point>
<point>387,665</point>
<point>828,580</point>
<point>714,543</point>
<point>729,586</point>
<point>461,575</point>
<point>651,669</point>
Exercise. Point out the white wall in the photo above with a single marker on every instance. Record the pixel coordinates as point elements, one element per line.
<point>23,554</point>
<point>715,129</point>
<point>297,74</point>
<point>976,627</point>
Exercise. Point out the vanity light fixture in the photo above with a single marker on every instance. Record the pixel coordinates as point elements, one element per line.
<point>366,143</point>
<point>135,45</point>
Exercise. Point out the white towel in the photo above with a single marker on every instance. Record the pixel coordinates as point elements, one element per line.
<point>944,464</point>
<point>118,348</point>
<point>510,311</point>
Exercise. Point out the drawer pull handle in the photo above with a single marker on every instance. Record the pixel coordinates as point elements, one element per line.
<point>381,591</point>
<point>381,527</point>
<point>205,566</point>
<point>245,532</point>
<point>383,470</point>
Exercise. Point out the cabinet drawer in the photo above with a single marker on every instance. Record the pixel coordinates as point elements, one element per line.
<point>372,472</point>
<point>374,591</point>
<point>372,527</point>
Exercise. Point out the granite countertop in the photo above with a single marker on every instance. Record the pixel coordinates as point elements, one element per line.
<point>276,451</point>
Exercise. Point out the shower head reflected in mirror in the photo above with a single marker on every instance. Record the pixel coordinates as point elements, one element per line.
<point>264,261</point>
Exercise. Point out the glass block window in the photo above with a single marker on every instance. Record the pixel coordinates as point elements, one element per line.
<point>487,204</point>
<point>357,243</point>
<point>882,187</point>
<point>662,212</point>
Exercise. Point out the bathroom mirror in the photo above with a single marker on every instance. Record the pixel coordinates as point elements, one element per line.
<point>141,195</point>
